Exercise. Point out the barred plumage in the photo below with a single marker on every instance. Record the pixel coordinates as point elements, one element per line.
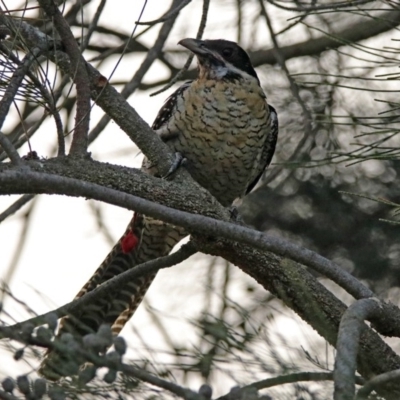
<point>223,126</point>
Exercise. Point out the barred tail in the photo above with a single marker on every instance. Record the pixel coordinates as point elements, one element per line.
<point>144,239</point>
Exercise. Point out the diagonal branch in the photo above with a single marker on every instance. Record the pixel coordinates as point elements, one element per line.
<point>14,181</point>
<point>151,56</point>
<point>81,79</point>
<point>112,102</point>
<point>110,286</point>
<point>26,198</point>
<point>17,181</point>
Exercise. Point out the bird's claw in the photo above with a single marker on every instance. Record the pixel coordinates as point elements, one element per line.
<point>179,160</point>
<point>234,213</point>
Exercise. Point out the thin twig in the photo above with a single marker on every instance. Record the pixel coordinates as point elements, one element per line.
<point>172,12</point>
<point>26,198</point>
<point>50,99</point>
<point>8,98</point>
<point>19,249</point>
<point>93,24</point>
<point>329,6</point>
<point>199,35</point>
<point>162,383</point>
<point>141,374</point>
<point>9,149</point>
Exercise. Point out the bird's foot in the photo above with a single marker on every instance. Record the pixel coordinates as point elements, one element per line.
<point>234,213</point>
<point>179,161</point>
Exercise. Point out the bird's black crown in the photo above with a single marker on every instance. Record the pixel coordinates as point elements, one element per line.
<point>232,53</point>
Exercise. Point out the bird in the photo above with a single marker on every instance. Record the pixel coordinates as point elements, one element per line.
<point>223,126</point>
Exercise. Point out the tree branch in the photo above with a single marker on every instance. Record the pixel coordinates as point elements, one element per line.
<point>289,378</point>
<point>151,56</point>
<point>16,206</point>
<point>377,381</point>
<point>359,30</point>
<point>350,329</point>
<point>80,76</point>
<point>8,98</point>
<point>110,286</point>
<point>79,179</point>
<point>300,291</point>
<point>172,12</point>
<point>112,102</point>
<point>162,200</point>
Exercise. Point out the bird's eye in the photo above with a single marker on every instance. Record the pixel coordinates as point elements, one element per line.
<point>227,52</point>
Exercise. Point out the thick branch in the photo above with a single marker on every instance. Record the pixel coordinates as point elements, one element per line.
<point>84,178</point>
<point>80,177</point>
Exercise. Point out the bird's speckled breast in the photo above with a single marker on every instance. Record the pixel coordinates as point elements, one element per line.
<point>222,130</point>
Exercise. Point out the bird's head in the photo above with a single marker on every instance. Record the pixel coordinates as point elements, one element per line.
<point>220,59</point>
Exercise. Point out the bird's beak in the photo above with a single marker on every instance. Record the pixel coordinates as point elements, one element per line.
<point>196,46</point>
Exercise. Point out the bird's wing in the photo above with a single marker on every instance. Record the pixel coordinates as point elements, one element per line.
<point>168,108</point>
<point>269,147</point>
